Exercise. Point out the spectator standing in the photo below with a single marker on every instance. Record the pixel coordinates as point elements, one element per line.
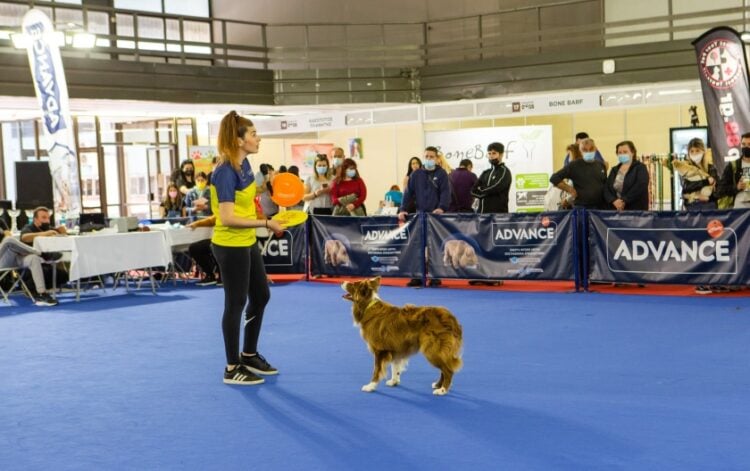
<point>318,187</point>
<point>429,190</point>
<point>493,186</point>
<point>462,181</point>
<point>627,184</point>
<point>348,192</point>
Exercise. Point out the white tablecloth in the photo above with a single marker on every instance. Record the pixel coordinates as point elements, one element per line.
<point>182,237</point>
<point>93,255</point>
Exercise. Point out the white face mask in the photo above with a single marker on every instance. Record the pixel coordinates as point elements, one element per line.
<point>696,158</point>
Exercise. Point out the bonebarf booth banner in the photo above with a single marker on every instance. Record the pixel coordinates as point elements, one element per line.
<point>366,246</point>
<point>709,247</point>
<point>528,156</point>
<point>501,246</point>
<point>285,254</point>
<point>52,94</point>
<point>723,72</point>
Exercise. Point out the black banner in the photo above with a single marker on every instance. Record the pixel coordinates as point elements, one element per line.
<point>705,248</point>
<point>724,79</point>
<point>285,254</point>
<point>366,246</point>
<point>501,246</point>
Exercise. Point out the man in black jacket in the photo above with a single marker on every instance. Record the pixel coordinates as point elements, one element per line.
<point>491,190</point>
<point>589,177</point>
<point>494,184</point>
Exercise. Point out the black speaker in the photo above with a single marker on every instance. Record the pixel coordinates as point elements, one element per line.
<point>5,217</point>
<point>33,185</point>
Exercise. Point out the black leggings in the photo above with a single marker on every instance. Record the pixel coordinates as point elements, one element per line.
<point>244,278</point>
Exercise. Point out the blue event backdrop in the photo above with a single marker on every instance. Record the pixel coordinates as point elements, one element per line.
<point>502,246</point>
<point>285,254</point>
<point>709,247</point>
<point>366,246</point>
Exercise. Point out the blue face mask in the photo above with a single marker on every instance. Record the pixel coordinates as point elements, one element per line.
<point>321,170</point>
<point>337,161</point>
<point>623,158</point>
<point>429,164</point>
<point>351,173</point>
<point>589,156</point>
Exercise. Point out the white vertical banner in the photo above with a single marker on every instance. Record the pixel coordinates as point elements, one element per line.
<point>52,94</point>
<point>528,155</point>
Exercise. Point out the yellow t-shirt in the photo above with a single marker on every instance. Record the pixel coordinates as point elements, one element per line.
<point>229,185</point>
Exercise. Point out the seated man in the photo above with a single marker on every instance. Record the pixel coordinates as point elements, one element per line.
<point>14,253</point>
<point>201,253</point>
<point>40,227</point>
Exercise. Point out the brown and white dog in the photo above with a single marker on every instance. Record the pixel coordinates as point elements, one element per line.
<point>393,334</point>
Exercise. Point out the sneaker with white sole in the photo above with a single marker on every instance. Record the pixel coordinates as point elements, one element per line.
<point>703,289</point>
<point>242,376</point>
<point>44,299</point>
<point>207,280</point>
<point>258,364</point>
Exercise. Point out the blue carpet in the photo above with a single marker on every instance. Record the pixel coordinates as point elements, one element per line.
<point>551,381</point>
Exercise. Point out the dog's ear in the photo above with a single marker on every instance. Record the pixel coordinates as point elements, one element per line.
<point>374,283</point>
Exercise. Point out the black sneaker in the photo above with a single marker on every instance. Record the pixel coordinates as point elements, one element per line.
<point>258,365</point>
<point>52,256</point>
<point>434,282</point>
<point>703,289</point>
<point>44,299</point>
<point>207,280</point>
<point>241,376</point>
<point>414,282</point>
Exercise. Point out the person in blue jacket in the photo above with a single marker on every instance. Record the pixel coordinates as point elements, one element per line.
<point>430,189</point>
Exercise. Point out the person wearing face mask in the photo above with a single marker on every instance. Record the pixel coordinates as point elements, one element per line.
<point>493,185</point>
<point>318,188</point>
<point>627,184</point>
<point>348,191</point>
<point>172,206</point>
<point>428,190</point>
<point>40,226</point>
<point>184,177</point>
<point>698,178</point>
<point>337,158</point>
<point>735,180</point>
<point>589,177</point>
<point>198,199</point>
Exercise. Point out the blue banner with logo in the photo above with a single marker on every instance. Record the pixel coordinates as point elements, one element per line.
<point>501,246</point>
<point>285,254</point>
<point>366,246</point>
<point>709,247</point>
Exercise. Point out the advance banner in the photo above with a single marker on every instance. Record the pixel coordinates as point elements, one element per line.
<point>285,254</point>
<point>723,72</point>
<point>709,247</point>
<point>366,246</point>
<point>52,94</point>
<point>501,246</point>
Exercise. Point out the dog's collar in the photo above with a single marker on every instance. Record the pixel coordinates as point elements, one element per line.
<point>372,301</point>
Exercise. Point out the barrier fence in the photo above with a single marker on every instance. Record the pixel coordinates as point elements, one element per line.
<point>668,247</point>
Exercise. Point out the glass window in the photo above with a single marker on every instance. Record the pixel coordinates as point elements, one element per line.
<point>187,7</point>
<point>140,5</point>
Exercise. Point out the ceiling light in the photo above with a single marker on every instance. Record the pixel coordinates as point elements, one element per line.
<point>681,91</point>
<point>745,36</point>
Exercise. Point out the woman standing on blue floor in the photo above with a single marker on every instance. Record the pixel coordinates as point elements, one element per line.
<point>236,251</point>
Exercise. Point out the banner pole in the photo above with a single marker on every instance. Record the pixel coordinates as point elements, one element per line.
<point>423,219</point>
<point>585,257</point>
<point>576,274</point>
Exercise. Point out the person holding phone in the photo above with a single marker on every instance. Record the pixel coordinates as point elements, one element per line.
<point>318,189</point>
